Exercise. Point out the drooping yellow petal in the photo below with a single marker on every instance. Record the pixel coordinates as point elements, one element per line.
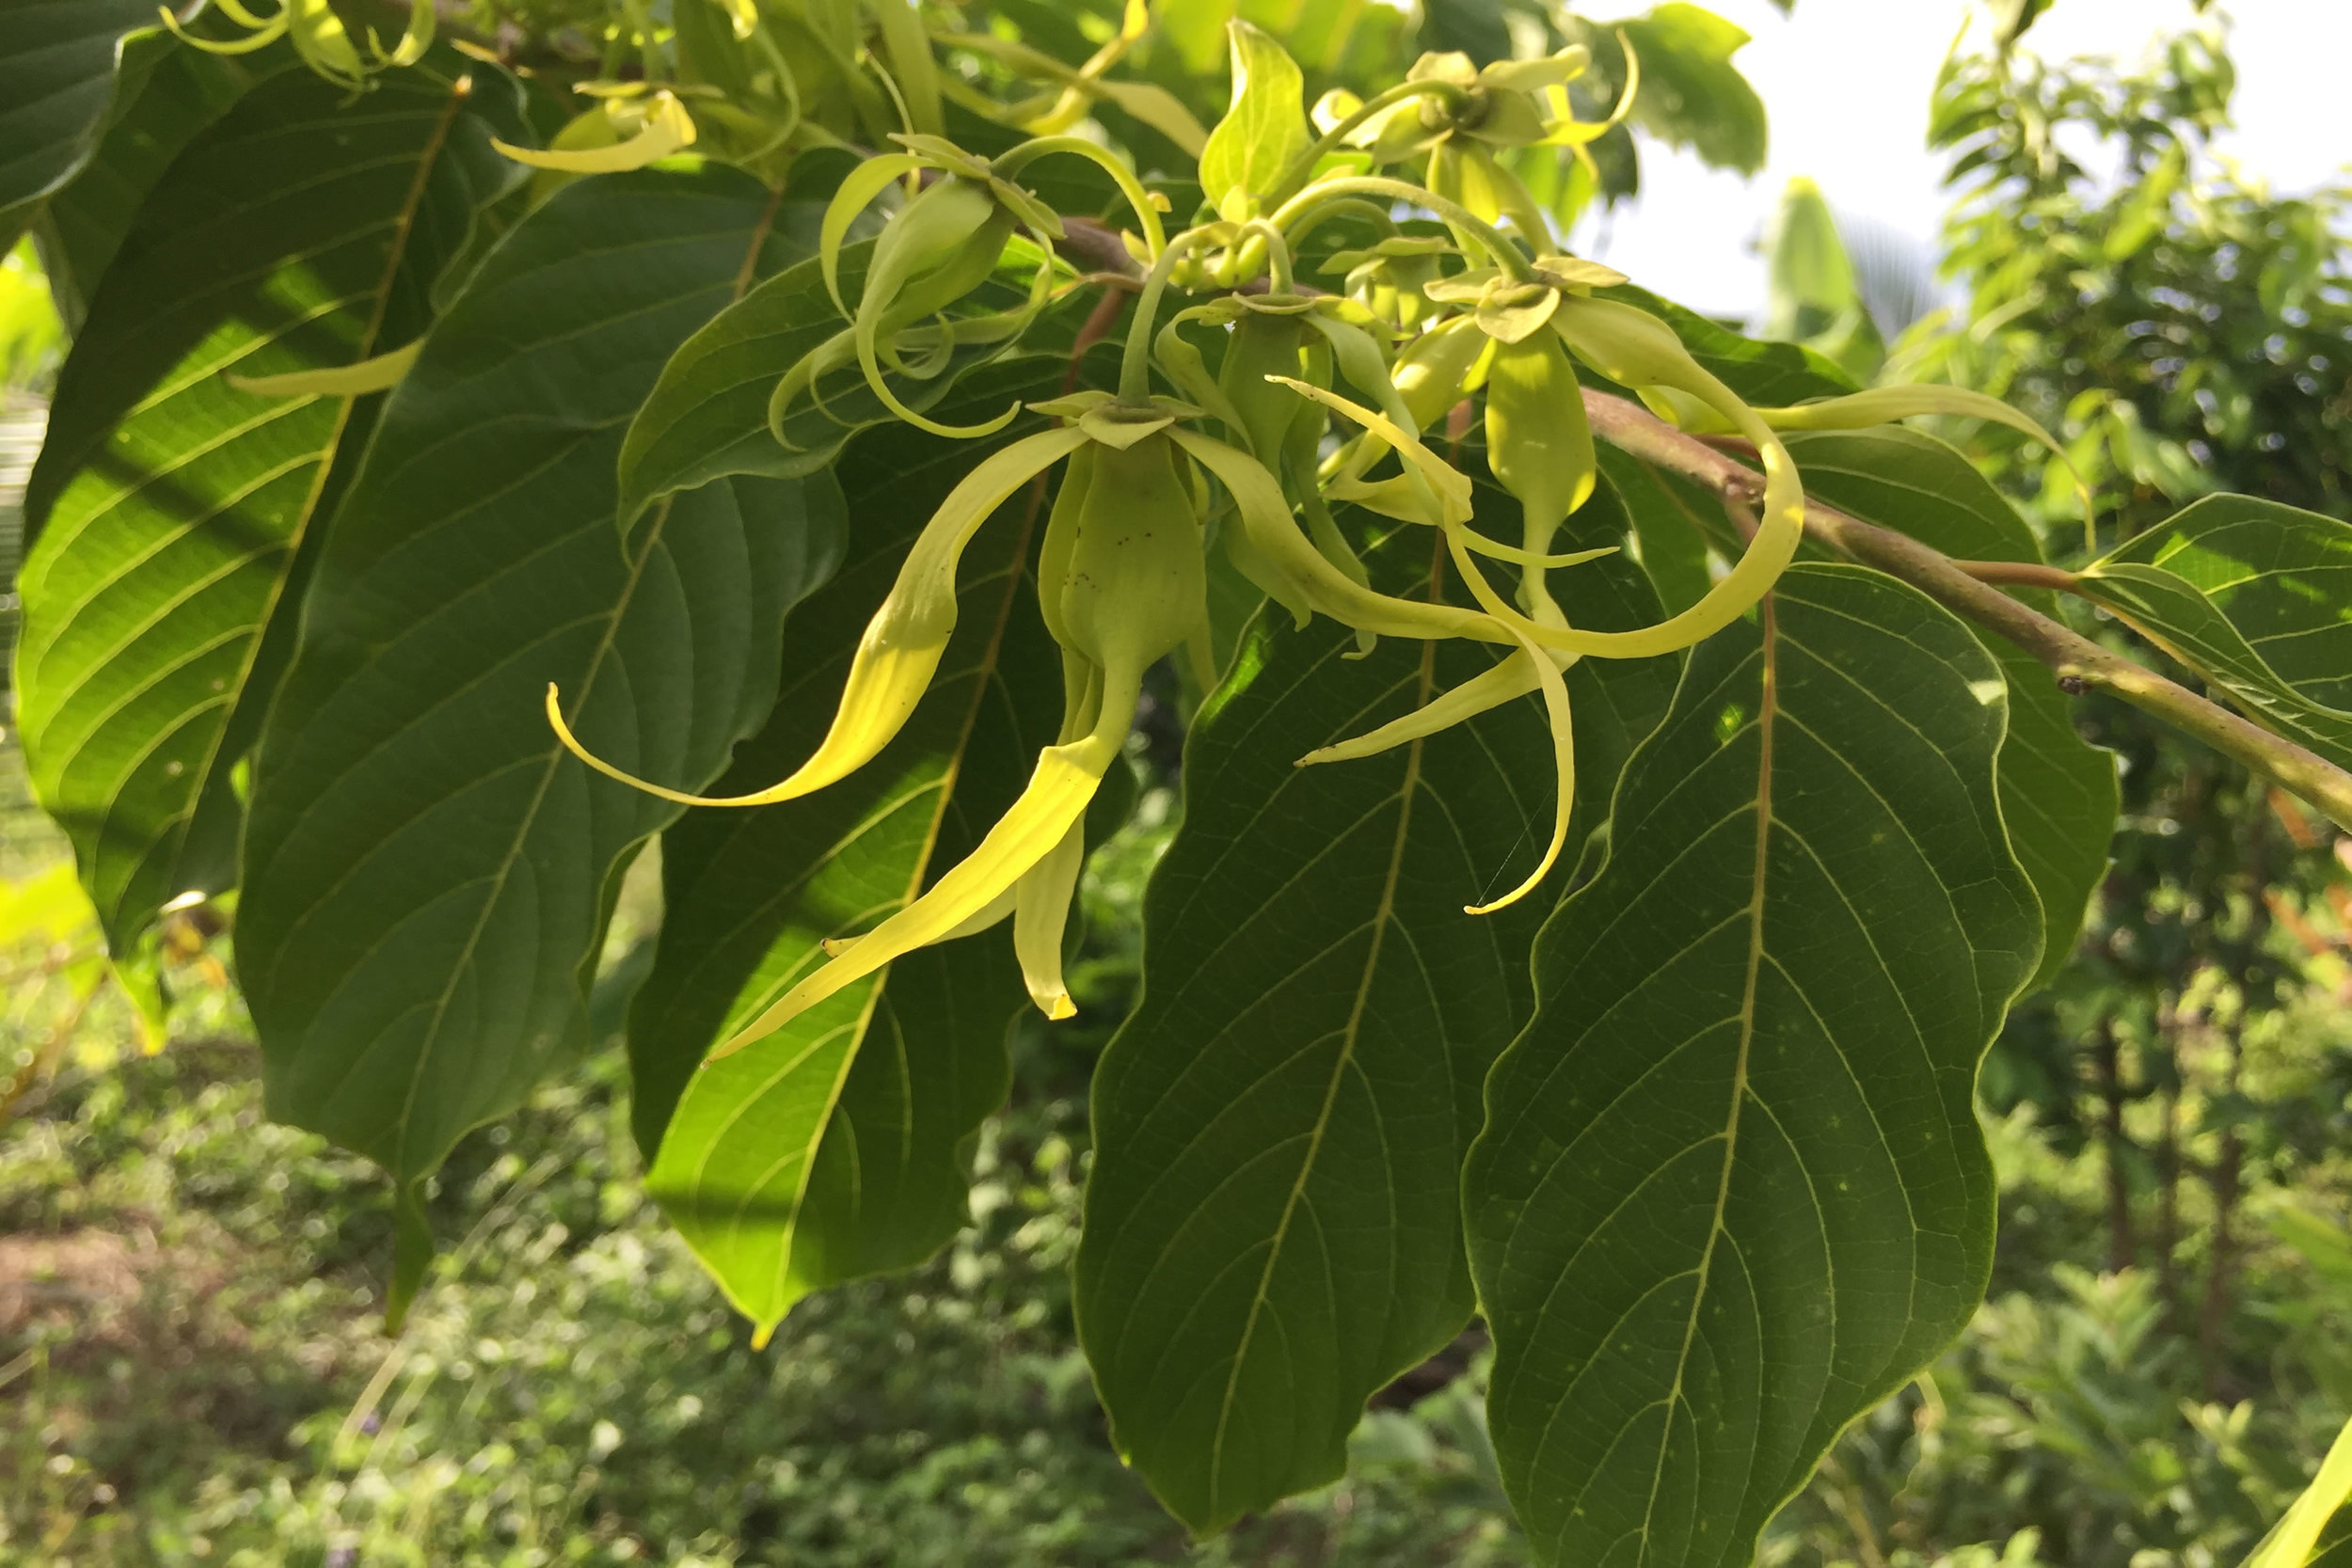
<point>668,129</point>
<point>1432,374</point>
<point>1449,486</point>
<point>1546,667</point>
<point>1636,349</point>
<point>806,373</point>
<point>344,381</point>
<point>856,192</point>
<point>904,642</point>
<point>1529,76</point>
<point>1512,678</point>
<point>1040,915</point>
<point>950,235</point>
<point>415,38</point>
<point>266,32</point>
<point>1538,441</point>
<point>319,37</point>
<point>1277,542</point>
<point>1885,404</point>
<point>1054,802</point>
<point>988,915</point>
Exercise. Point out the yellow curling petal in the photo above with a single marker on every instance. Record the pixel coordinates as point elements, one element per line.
<point>1276,539</point>
<point>1041,913</point>
<point>904,642</point>
<point>344,381</point>
<point>1546,667</point>
<point>1886,405</point>
<point>320,40</point>
<point>265,33</point>
<point>952,232</point>
<point>1566,130</point>
<point>987,915</point>
<point>668,129</point>
<point>857,191</point>
<point>1054,802</point>
<point>415,38</point>
<point>1636,349</point>
<point>832,355</point>
<point>1450,486</point>
<point>1507,681</point>
<point>1528,75</point>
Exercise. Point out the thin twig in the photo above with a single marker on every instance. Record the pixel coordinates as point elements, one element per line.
<point>2079,663</point>
<point>1096,247</point>
<point>2021,574</point>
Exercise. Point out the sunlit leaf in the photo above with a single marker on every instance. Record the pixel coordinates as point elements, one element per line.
<point>169,508</point>
<point>2255,596</point>
<point>1731,1192</point>
<point>427,872</point>
<point>2058,793</point>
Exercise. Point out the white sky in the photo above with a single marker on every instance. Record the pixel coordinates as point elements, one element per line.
<point>1845,83</point>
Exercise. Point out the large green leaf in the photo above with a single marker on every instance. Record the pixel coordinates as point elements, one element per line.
<point>169,508</point>
<point>168,93</point>
<point>2255,596</point>
<point>1731,1191</point>
<point>1273,1224</point>
<point>2059,792</point>
<point>828,1149</point>
<point>58,63</point>
<point>427,872</point>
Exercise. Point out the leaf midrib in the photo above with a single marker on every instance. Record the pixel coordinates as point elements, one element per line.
<point>1767,713</point>
<point>1383,916</point>
<point>595,666</point>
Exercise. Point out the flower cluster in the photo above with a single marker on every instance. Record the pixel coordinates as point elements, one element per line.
<point>1454,297</point>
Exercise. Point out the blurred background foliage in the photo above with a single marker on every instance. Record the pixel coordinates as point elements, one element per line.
<point>191,1367</point>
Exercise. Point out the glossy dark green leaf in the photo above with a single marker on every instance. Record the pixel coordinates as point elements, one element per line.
<point>57,60</point>
<point>828,1149</point>
<point>168,93</point>
<point>2058,793</point>
<point>1272,1223</point>
<point>427,872</point>
<point>2255,596</point>
<point>169,508</point>
<point>1731,1192</point>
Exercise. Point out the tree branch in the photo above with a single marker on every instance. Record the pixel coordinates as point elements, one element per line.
<point>2078,663</point>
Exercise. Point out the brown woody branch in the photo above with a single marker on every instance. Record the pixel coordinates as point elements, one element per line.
<point>1968,590</point>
